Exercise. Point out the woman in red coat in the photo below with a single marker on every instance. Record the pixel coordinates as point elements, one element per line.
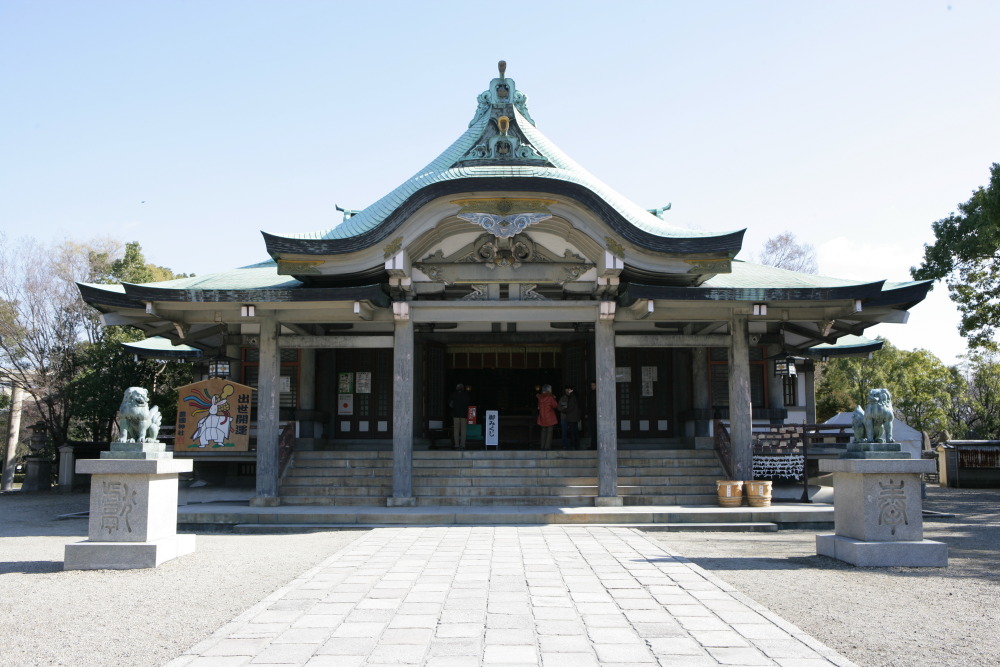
<point>547,405</point>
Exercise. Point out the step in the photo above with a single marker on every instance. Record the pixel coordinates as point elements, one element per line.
<point>297,528</point>
<point>813,516</point>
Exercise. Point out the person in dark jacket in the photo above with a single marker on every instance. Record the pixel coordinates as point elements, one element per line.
<point>569,414</point>
<point>459,403</point>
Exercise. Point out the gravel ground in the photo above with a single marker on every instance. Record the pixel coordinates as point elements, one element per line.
<point>129,617</point>
<point>874,616</point>
<point>880,615</point>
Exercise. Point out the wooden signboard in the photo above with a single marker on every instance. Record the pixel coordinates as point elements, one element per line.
<point>213,414</point>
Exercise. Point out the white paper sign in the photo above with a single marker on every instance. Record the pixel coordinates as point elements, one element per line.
<point>492,427</point>
<point>345,404</point>
<point>363,382</point>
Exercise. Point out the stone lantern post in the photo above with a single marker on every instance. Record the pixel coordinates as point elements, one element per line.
<point>38,467</point>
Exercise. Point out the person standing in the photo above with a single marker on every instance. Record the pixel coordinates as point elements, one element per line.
<point>459,403</point>
<point>590,414</point>
<point>569,413</point>
<point>547,406</point>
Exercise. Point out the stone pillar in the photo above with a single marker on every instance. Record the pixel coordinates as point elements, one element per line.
<point>701,390</point>
<point>607,415</point>
<point>402,409</point>
<point>775,385</point>
<point>740,412</point>
<point>268,389</point>
<point>67,466</point>
<point>13,430</point>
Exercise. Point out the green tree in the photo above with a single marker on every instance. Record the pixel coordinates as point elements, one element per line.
<point>919,382</point>
<point>966,255</point>
<point>52,344</point>
<point>983,377</point>
<point>107,368</point>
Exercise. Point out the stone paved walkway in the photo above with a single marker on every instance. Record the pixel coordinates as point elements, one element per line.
<point>548,595</point>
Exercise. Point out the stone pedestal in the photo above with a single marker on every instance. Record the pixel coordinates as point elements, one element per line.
<point>37,474</point>
<point>133,510</point>
<point>878,515</point>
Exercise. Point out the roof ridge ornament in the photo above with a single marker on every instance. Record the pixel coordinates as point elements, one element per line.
<point>500,107</point>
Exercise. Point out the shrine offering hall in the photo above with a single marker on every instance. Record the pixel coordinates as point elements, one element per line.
<point>503,265</point>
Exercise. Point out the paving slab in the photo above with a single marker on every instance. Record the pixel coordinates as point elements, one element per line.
<point>532,595</point>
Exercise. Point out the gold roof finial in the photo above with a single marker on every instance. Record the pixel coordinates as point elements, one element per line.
<point>502,65</point>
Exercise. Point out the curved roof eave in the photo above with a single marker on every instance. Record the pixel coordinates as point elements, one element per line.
<point>847,346</point>
<point>728,244</point>
<point>145,293</point>
<point>635,291</point>
<point>159,347</point>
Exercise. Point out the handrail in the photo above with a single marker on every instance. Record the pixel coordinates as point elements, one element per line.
<point>723,447</point>
<point>286,446</point>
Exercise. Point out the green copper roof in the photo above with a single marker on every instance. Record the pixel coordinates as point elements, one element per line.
<point>750,275</point>
<point>158,347</point>
<point>535,157</point>
<point>845,346</point>
<point>255,276</point>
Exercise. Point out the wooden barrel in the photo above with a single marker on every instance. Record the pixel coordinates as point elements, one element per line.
<point>730,493</point>
<point>758,493</point>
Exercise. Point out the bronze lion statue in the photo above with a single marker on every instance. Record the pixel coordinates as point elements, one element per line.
<point>879,416</point>
<point>138,421</point>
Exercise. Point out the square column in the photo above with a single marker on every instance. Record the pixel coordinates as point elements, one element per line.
<point>402,409</point>
<point>268,388</point>
<point>740,410</point>
<point>607,414</point>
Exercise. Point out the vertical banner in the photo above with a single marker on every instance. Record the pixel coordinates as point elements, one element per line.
<point>492,428</point>
<point>213,414</point>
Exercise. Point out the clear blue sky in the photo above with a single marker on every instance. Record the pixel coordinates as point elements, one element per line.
<point>191,126</point>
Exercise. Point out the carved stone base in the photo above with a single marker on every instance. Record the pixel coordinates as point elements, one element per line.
<point>875,450</point>
<point>923,553</point>
<point>89,555</point>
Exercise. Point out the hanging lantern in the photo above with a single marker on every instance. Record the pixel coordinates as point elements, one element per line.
<point>218,367</point>
<point>784,366</point>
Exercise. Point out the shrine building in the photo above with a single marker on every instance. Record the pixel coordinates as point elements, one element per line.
<point>504,265</point>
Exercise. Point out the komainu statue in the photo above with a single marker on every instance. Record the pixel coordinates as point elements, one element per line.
<point>878,416</point>
<point>138,421</point>
<point>858,424</point>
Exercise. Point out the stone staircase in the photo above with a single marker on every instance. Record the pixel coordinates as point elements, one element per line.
<point>498,478</point>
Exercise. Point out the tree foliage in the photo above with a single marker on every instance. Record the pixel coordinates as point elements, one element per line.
<point>922,387</point>
<point>982,409</point>
<point>53,345</point>
<point>966,255</point>
<point>784,252</point>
